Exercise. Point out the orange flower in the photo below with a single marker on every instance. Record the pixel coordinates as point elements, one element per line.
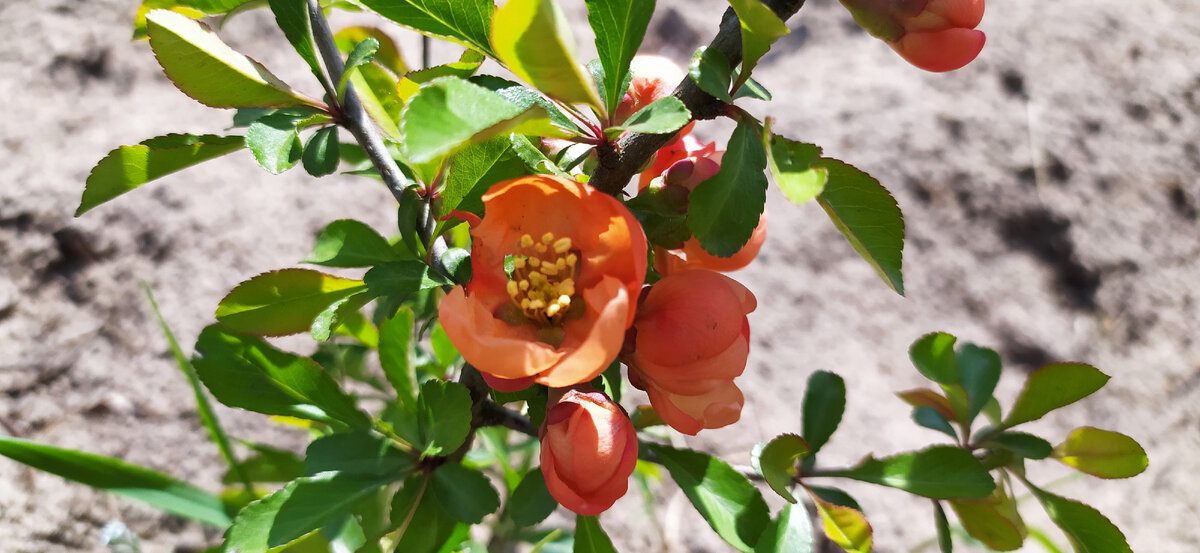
<point>577,261</point>
<point>934,35</point>
<point>653,78</point>
<point>692,339</point>
<point>589,449</point>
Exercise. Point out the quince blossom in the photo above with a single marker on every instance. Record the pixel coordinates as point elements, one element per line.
<point>589,449</point>
<point>934,35</point>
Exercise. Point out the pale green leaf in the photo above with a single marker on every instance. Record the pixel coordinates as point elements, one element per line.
<point>283,302</point>
<point>388,54</point>
<point>760,28</point>
<point>533,38</point>
<point>1102,453</point>
<point>845,526</point>
<point>791,165</point>
<point>1052,387</point>
<point>790,532</point>
<point>933,355</point>
<point>777,462</point>
<point>993,520</point>
<point>467,22</point>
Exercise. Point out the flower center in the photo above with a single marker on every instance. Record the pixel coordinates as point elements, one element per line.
<point>542,284</point>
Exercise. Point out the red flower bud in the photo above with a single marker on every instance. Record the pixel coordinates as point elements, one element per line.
<point>692,340</point>
<point>589,449</point>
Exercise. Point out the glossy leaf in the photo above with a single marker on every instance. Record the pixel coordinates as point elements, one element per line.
<point>321,152</point>
<point>993,520</point>
<point>282,302</point>
<point>274,140</point>
<point>464,68</point>
<point>129,167</point>
<point>868,216</point>
<point>350,243</point>
<point>1054,386</point>
<point>791,165</point>
<point>464,492</point>
<point>467,22</point>
<point>401,278</point>
<point>933,355</point>
<point>725,209</point>
<point>590,537</point>
<point>396,355</point>
<point>388,54</point>
<point>1087,529</point>
<point>376,90</point>
<point>360,55</point>
<point>790,532</point>
<point>725,498</point>
<point>533,38</point>
<point>246,372</point>
<point>753,89</point>
<point>824,404</point>
<point>119,477</point>
<point>360,452</point>
<point>292,18</point>
<point>760,28</point>
<point>268,464</point>
<point>444,416</point>
<point>845,526</point>
<point>524,97</point>
<point>930,418</point>
<point>834,496</point>
<point>210,71</point>
<point>938,472</point>
<point>662,116</point>
<point>475,169</point>
<point>619,26</point>
<point>1102,453</point>
<point>711,71</point>
<point>776,462</point>
<point>1025,445</point>
<point>978,371</point>
<point>531,502</point>
<point>427,526</point>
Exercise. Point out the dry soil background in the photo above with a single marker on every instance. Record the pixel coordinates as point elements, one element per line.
<point>1050,190</point>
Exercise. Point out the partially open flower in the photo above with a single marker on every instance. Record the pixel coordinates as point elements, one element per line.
<point>934,35</point>
<point>692,339</point>
<point>589,449</point>
<point>576,260</point>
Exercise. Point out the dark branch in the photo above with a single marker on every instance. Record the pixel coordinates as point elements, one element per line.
<point>617,167</point>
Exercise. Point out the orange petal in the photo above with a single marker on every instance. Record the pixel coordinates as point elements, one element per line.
<point>594,340</point>
<point>959,13</point>
<point>700,376</point>
<point>491,345</point>
<point>940,51</point>
<point>689,316</point>
<point>690,414</point>
<point>693,256</point>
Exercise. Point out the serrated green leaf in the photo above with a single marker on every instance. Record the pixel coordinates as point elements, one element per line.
<point>938,472</point>
<point>476,168</point>
<point>268,464</point>
<point>845,526</point>
<point>590,537</point>
<point>930,418</point>
<point>1087,529</point>
<point>292,18</point>
<point>246,372</point>
<point>388,54</point>
<point>359,452</point>
<point>119,477</point>
<point>1052,387</point>
<point>1102,453</point>
<point>790,532</point>
<point>993,520</point>
<point>619,26</point>
<point>283,302</point>
<point>711,71</point>
<point>760,28</point>
<point>467,22</point>
<point>464,68</point>
<point>791,165</point>
<point>321,153</point>
<point>724,210</point>
<point>274,140</point>
<point>725,498</point>
<point>362,54</point>
<point>867,215</point>
<point>210,71</point>
<point>777,462</point>
<point>1025,445</point>
<point>524,97</point>
<point>464,492</point>
<point>129,167</point>
<point>429,526</point>
<point>662,116</point>
<point>533,38</point>
<point>978,371</point>
<point>350,243</point>
<point>933,355</point>
<point>402,278</point>
<point>531,502</point>
<point>533,158</point>
<point>823,406</point>
<point>444,417</point>
<point>395,355</point>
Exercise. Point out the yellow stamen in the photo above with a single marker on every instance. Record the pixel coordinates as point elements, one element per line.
<point>526,241</point>
<point>562,245</point>
<point>548,238</point>
<point>542,284</point>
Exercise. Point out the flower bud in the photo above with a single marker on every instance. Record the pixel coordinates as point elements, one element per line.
<point>653,78</point>
<point>934,35</point>
<point>589,449</point>
<point>692,339</point>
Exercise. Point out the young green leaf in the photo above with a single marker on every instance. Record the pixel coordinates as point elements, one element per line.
<point>476,168</point>
<point>376,90</point>
<point>531,502</point>
<point>210,71</point>
<point>1087,529</point>
<point>1051,387</point>
<point>1102,453</point>
<point>350,243</point>
<point>933,355</point>
<point>426,525</point>
<point>791,532</point>
<point>661,116</point>
<point>724,210</point>
<point>619,26</point>
<point>712,73</point>
<point>590,537</point>
<point>119,477</point>
<point>760,28</point>
<point>362,54</point>
<point>321,153</point>
<point>443,416</point>
<point>292,18</point>
<point>457,262</point>
<point>464,492</point>
<point>845,526</point>
<point>533,38</point>
<point>791,165</point>
<point>867,215</point>
<point>246,372</point>
<point>1025,445</point>
<point>283,302</point>
<point>753,89</point>
<point>274,141</point>
<point>824,403</point>
<point>402,278</point>
<point>359,452</point>
<point>930,418</point>
<point>464,68</point>
<point>388,54</point>
<point>533,158</point>
<point>396,355</point>
<point>725,498</point>
<point>129,167</point>
<point>978,371</point>
<point>993,520</point>
<point>777,463</point>
<point>938,472</point>
<point>467,22</point>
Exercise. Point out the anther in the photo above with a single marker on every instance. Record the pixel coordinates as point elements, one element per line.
<point>548,238</point>
<point>562,245</point>
<point>526,241</point>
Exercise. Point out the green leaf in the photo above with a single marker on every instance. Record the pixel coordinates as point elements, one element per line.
<point>274,141</point>
<point>534,158</point>
<point>867,215</point>
<point>282,302</point>
<point>945,543</point>
<point>930,418</point>
<point>246,372</point>
<point>834,496</point>
<point>993,520</point>
<point>448,113</point>
<point>396,355</point>
<point>619,26</point>
<point>475,169</point>
<point>725,209</point>
<point>388,54</point>
<point>362,54</point>
<point>1102,453</point>
<point>464,492</point>
<point>753,89</point>
<point>321,152</point>
<point>824,403</point>
<point>524,97</point>
<point>845,526</point>
<point>979,371</point>
<point>428,525</point>
<point>129,167</point>
<point>401,278</point>
<point>301,507</point>
<point>1087,529</point>
<point>725,498</point>
<point>760,28</point>
<point>465,68</point>
<point>119,477</point>
<point>350,243</point>
<point>376,90</point>
<point>590,537</point>
<point>467,22</point>
<point>268,464</point>
<point>1051,387</point>
<point>444,417</point>
<point>933,355</point>
<point>531,502</point>
<point>938,472</point>
<point>711,71</point>
<point>791,165</point>
<point>1025,445</point>
<point>791,532</point>
<point>360,452</point>
<point>457,262</point>
<point>292,18</point>
<point>662,116</point>
<point>533,38</point>
<point>777,463</point>
<point>210,71</point>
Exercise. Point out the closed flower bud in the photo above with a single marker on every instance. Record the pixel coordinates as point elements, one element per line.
<point>934,35</point>
<point>589,449</point>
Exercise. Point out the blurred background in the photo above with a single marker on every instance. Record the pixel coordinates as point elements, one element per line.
<point>1050,190</point>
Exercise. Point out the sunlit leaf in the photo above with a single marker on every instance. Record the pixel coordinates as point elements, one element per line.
<point>401,278</point>
<point>619,26</point>
<point>275,141</point>
<point>590,537</point>
<point>824,403</point>
<point>725,209</point>
<point>388,54</point>
<point>867,215</point>
<point>993,520</point>
<point>712,72</point>
<point>476,168</point>
<point>360,452</point>
<point>465,21</point>
<point>938,472</point>
<point>933,355</point>
<point>283,302</point>
<point>791,165</point>
<point>360,55</point>
<point>845,526</point>
<point>395,355</point>
<point>1054,386</point>
<point>321,154</point>
<point>760,28</point>
<point>978,371</point>
<point>777,462</point>
<point>725,498</point>
<point>292,18</point>
<point>443,416</point>
<point>268,464</point>
<point>661,116</point>
<point>790,532</point>
<point>350,243</point>
<point>1102,453</point>
<point>533,38</point>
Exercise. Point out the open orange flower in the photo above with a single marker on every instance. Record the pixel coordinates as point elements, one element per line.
<point>589,449</point>
<point>692,339</point>
<point>577,261</point>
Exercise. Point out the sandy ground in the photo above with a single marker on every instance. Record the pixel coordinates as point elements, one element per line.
<point>1051,197</point>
